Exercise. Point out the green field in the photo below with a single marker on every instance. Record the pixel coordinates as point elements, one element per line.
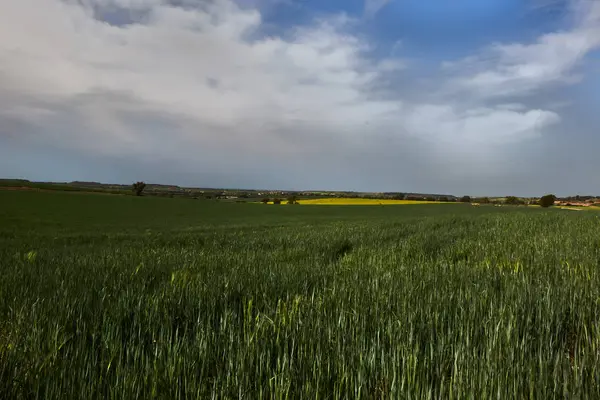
<point>118,297</point>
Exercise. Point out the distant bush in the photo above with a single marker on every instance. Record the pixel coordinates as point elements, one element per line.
<point>465,199</point>
<point>276,201</point>
<point>547,200</point>
<point>138,188</point>
<point>513,200</point>
<point>265,200</point>
<point>292,200</point>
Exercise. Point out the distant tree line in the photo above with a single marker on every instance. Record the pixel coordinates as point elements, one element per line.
<point>290,200</point>
<point>548,200</point>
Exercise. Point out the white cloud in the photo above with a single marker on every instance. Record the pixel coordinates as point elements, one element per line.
<point>477,127</point>
<point>372,7</point>
<point>512,107</point>
<point>201,82</point>
<point>517,69</point>
<point>165,64</point>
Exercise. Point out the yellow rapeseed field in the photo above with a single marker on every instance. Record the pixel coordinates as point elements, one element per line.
<point>360,202</point>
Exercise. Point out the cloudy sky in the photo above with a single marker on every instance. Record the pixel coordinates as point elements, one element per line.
<point>494,97</point>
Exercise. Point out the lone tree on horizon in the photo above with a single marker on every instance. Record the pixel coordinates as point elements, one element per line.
<point>547,200</point>
<point>138,188</point>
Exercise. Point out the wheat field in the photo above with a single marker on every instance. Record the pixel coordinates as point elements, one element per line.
<point>120,297</point>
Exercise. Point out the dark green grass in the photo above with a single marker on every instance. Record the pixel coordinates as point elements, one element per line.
<point>123,297</point>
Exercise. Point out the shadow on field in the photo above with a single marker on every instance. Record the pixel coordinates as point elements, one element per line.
<point>338,250</point>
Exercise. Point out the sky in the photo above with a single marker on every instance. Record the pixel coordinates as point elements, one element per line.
<point>495,97</point>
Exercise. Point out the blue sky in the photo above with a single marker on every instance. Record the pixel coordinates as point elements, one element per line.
<point>418,25</point>
<point>494,97</point>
